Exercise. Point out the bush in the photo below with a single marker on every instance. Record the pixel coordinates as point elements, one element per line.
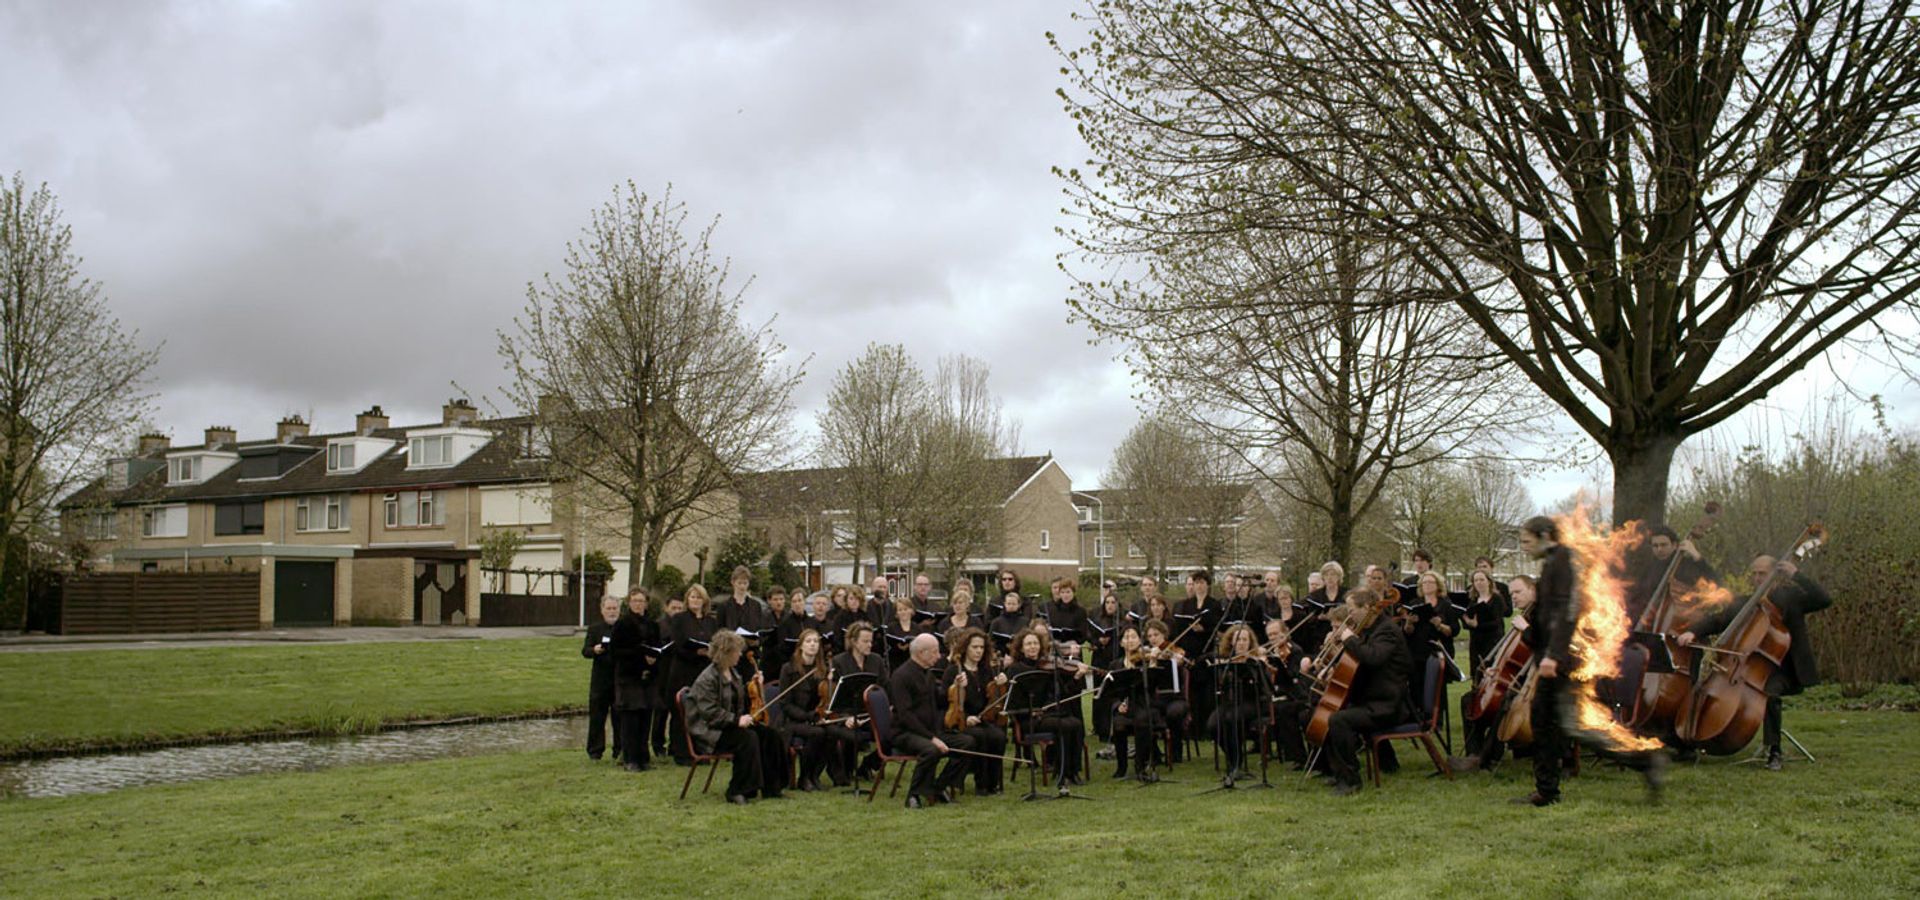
<point>668,581</point>
<point>1862,486</point>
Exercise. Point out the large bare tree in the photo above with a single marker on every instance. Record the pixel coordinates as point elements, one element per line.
<point>1174,493</point>
<point>866,428</point>
<point>1657,211</point>
<point>652,389</point>
<point>73,383</point>
<point>952,510</point>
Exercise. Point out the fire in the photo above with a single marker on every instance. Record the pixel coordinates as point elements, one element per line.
<point>1599,557</point>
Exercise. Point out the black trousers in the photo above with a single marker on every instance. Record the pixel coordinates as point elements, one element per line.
<point>1232,724</point>
<point>925,782</point>
<point>599,705</point>
<point>827,747</point>
<point>1475,733</point>
<point>630,735</point>
<point>1175,713</point>
<point>1553,743</point>
<point>1287,734</point>
<point>1069,739</point>
<point>1770,733</point>
<point>759,760</point>
<point>988,774</point>
<point>657,730</point>
<point>1141,723</point>
<point>1344,734</point>
<point>1103,717</point>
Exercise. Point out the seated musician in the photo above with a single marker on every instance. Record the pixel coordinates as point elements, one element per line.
<point>859,657</point>
<point>1051,707</point>
<point>1378,696</point>
<point>1795,596</point>
<point>900,630</point>
<point>1482,736</point>
<point>1290,693</point>
<point>918,729</point>
<point>826,745</point>
<point>972,672</point>
<point>718,719</point>
<point>1242,693</point>
<point>1171,706</point>
<point>1133,718</point>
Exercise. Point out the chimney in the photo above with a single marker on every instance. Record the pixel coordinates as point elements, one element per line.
<point>367,422</point>
<point>220,434</point>
<point>154,442</point>
<point>458,412</point>
<point>289,428</point>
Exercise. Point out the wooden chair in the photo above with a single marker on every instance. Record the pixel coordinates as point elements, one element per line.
<point>880,720</point>
<point>693,750</point>
<point>1422,731</point>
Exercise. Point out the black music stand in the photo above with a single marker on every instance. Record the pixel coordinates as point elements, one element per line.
<point>848,700</point>
<point>1233,671</point>
<point>1027,695</point>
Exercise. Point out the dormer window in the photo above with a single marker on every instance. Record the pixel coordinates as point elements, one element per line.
<point>181,470</point>
<point>426,452</point>
<point>339,456</point>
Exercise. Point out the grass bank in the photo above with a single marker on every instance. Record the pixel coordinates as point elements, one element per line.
<point>115,699</point>
<point>553,824</point>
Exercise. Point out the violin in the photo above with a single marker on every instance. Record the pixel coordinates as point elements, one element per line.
<point>957,703</point>
<point>756,694</point>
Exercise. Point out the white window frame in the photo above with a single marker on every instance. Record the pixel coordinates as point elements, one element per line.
<point>431,502</point>
<point>336,512</point>
<point>340,456</point>
<point>1133,551</point>
<point>443,445</point>
<point>320,512</point>
<point>180,469</point>
<point>101,526</point>
<point>166,513</point>
<point>1046,539</point>
<point>1103,548</point>
<point>392,503</point>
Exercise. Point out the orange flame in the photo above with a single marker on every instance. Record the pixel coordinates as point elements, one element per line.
<point>1601,632</point>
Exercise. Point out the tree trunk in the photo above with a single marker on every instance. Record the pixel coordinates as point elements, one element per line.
<point>640,562</point>
<point>1641,466</point>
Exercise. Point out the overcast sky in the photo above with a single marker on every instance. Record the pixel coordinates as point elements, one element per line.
<point>323,206</point>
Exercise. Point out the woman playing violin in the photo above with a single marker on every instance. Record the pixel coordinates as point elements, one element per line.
<point>972,682</point>
<point>825,745</point>
<point>1050,705</point>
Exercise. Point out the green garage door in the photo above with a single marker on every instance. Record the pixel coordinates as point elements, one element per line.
<point>302,593</point>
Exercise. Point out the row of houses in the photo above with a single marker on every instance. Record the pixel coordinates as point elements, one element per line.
<point>383,524</point>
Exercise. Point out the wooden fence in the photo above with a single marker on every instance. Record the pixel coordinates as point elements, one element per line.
<point>138,602</point>
<point>502,610</point>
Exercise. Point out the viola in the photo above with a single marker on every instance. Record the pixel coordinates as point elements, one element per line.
<point>1729,698</point>
<point>956,703</point>
<point>756,695</point>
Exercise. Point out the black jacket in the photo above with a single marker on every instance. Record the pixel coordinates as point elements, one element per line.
<point>799,701</point>
<point>916,706</point>
<point>1196,641</point>
<point>1551,621</point>
<point>1385,667</point>
<point>1068,621</point>
<point>633,665</point>
<point>601,683</point>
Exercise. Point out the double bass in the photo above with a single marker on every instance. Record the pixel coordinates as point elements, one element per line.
<point>1729,698</point>
<point>1663,695</point>
<point>1516,721</point>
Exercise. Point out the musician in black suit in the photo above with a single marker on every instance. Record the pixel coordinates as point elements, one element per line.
<point>600,684</point>
<point>1378,696</point>
<point>1795,597</point>
<point>918,727</point>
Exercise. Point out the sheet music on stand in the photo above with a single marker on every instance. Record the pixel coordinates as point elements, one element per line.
<point>1029,690</point>
<point>849,693</point>
<point>1659,656</point>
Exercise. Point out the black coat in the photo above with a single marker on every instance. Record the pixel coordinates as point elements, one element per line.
<point>1795,599</point>
<point>1068,622</point>
<point>916,704</point>
<point>633,663</point>
<point>601,683</point>
<point>1551,621</point>
<point>1312,632</point>
<point>689,636</point>
<point>1385,667</point>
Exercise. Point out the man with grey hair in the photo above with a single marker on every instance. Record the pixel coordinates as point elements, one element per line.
<point>919,729</point>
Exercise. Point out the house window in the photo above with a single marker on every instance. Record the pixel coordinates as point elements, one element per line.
<point>339,457</point>
<point>163,521</point>
<point>240,518</point>
<point>1046,539</point>
<point>180,470</point>
<point>323,513</point>
<point>99,526</point>
<point>413,509</point>
<point>430,451</point>
<point>842,534</point>
<point>1086,514</point>
<point>1133,550</point>
<point>1103,548</point>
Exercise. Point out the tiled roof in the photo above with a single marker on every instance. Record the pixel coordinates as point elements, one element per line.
<point>497,462</point>
<point>771,493</point>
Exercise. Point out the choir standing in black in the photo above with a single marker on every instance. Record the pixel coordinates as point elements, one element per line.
<point>600,686</point>
<point>634,646</point>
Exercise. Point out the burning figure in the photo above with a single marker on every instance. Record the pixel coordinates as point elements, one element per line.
<point>1577,630</point>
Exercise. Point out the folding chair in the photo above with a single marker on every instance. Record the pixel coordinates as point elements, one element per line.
<point>1422,731</point>
<point>880,719</point>
<point>693,750</point>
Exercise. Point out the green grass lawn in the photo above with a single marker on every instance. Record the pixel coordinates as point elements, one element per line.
<point>554,824</point>
<point>115,698</point>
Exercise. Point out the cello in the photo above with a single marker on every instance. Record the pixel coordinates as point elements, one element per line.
<point>1729,698</point>
<point>1516,721</point>
<point>1662,695</point>
<point>1337,677</point>
<point>1509,659</point>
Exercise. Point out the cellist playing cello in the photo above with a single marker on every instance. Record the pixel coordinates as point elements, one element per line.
<point>1378,698</point>
<point>1795,597</point>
